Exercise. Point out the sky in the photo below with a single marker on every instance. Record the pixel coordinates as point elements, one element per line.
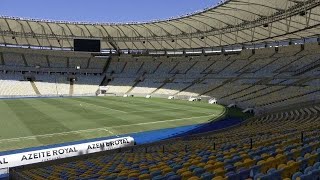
<point>102,10</point>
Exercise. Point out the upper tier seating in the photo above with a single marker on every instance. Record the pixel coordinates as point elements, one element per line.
<point>13,59</point>
<point>165,68</point>
<point>263,80</point>
<point>149,66</point>
<point>34,60</point>
<point>132,68</point>
<point>82,62</point>
<point>97,63</point>
<point>58,62</point>
<point>116,67</point>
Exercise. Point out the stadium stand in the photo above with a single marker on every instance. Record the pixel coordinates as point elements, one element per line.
<point>58,62</point>
<point>34,60</point>
<point>260,56</point>
<point>200,66</point>
<point>13,59</point>
<point>146,87</point>
<point>88,85</point>
<point>46,84</point>
<point>263,80</point>
<point>97,63</point>
<point>120,85</point>
<point>149,66</point>
<point>62,85</point>
<point>132,68</point>
<point>13,84</point>
<point>82,62</point>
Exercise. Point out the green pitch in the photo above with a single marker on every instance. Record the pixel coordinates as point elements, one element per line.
<point>35,122</point>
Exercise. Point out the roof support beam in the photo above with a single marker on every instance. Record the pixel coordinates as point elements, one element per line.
<point>13,35</point>
<point>54,35</point>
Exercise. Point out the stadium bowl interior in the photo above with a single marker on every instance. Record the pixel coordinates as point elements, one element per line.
<point>230,92</point>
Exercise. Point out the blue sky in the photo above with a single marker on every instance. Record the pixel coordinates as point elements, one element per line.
<point>101,10</point>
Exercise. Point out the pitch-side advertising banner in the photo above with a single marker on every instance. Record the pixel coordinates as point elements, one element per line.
<point>32,157</point>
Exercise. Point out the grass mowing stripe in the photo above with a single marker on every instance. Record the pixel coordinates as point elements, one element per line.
<point>144,107</point>
<point>175,103</point>
<point>99,105</point>
<point>36,116</point>
<point>10,124</point>
<point>129,118</point>
<point>120,118</point>
<point>161,124</point>
<point>114,117</point>
<point>141,116</point>
<point>65,104</point>
<point>103,128</point>
<point>35,119</point>
<point>168,104</point>
<point>68,119</point>
<point>119,105</point>
<point>97,102</point>
<point>102,118</point>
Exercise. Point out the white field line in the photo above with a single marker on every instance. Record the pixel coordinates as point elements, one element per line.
<point>110,132</point>
<point>99,129</point>
<point>169,109</point>
<point>101,107</point>
<point>128,112</point>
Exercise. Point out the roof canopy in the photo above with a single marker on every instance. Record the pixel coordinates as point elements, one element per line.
<point>231,22</point>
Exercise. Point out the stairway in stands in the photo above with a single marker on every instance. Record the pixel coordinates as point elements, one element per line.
<point>36,90</point>
<point>137,81</point>
<point>307,68</point>
<point>140,68</point>
<point>71,88</point>
<point>104,81</point>
<point>253,94</point>
<point>199,80</point>
<point>133,86</point>
<point>106,66</point>
<point>289,98</point>
<point>287,67</point>
<point>47,59</point>
<point>216,87</point>
<point>157,67</point>
<point>24,60</point>
<point>163,84</point>
<point>1,59</point>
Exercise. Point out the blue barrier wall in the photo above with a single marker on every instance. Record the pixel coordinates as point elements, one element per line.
<point>150,136</point>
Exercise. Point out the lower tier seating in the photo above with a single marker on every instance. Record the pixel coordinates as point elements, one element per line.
<point>279,145</point>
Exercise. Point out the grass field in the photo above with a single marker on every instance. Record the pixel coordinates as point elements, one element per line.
<point>42,121</point>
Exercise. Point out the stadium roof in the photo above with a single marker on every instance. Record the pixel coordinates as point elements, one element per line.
<point>229,23</point>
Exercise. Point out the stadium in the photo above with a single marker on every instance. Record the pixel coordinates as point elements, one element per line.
<point>231,92</point>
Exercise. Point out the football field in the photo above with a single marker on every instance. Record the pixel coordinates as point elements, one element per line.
<point>42,121</point>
